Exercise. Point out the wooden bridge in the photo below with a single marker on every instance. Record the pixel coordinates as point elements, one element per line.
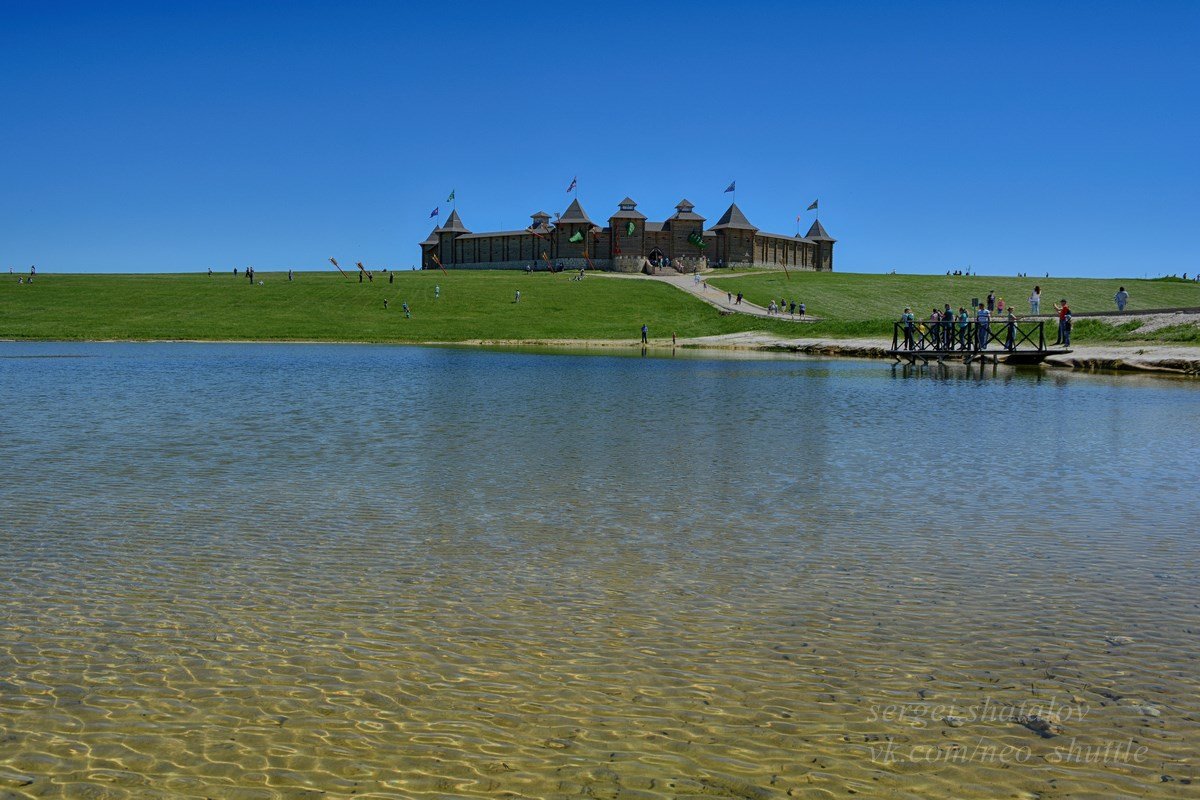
<point>999,341</point>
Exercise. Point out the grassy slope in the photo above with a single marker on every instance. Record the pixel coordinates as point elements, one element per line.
<point>856,304</point>
<point>478,305</point>
<point>325,306</point>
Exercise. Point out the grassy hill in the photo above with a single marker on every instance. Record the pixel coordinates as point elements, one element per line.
<point>324,306</point>
<point>327,307</point>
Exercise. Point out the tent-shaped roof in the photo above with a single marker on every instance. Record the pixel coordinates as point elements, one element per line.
<point>734,218</point>
<point>454,224</point>
<point>539,215</point>
<point>575,213</point>
<point>433,236</point>
<point>817,233</point>
<point>628,210</point>
<point>683,210</point>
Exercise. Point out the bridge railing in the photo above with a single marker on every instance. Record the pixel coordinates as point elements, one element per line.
<point>970,337</point>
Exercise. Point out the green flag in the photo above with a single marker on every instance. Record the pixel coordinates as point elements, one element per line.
<point>577,236</point>
<point>450,199</point>
<point>630,228</point>
<point>697,240</point>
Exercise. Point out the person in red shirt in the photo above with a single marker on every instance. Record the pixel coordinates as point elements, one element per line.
<point>1063,310</point>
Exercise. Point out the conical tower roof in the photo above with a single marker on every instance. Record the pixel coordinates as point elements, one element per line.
<point>734,218</point>
<point>817,233</point>
<point>433,236</point>
<point>575,213</point>
<point>454,224</point>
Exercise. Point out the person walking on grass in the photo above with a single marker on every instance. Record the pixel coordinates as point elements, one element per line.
<point>517,298</point>
<point>385,304</point>
<point>1121,298</point>
<point>437,291</point>
<point>645,331</point>
<point>1035,301</point>
<point>404,308</point>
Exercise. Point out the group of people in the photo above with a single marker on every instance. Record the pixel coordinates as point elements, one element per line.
<point>947,329</point>
<point>783,306</point>
<point>950,330</point>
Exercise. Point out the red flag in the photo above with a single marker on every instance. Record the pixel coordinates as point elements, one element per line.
<point>438,261</point>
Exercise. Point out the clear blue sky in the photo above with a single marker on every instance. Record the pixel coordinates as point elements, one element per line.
<point>1061,137</point>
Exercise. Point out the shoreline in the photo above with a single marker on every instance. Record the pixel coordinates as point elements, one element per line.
<point>1180,360</point>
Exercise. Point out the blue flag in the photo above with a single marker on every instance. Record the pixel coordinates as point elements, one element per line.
<point>571,188</point>
<point>434,213</point>
<point>732,186</point>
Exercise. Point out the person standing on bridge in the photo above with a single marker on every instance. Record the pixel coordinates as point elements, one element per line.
<point>1064,311</point>
<point>983,318</point>
<point>1011,339</point>
<point>906,319</point>
<point>964,323</point>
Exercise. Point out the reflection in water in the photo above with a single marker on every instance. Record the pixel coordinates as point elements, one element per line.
<point>277,571</point>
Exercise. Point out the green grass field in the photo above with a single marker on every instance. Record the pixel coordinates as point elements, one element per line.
<point>865,305</point>
<point>324,306</point>
<point>327,307</point>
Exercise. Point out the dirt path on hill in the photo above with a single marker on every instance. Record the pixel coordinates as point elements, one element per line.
<point>714,296</point>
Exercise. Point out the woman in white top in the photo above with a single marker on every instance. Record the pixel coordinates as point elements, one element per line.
<point>1035,300</point>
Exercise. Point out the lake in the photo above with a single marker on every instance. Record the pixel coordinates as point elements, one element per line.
<point>292,571</point>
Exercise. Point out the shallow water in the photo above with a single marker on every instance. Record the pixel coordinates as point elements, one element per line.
<point>256,571</point>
